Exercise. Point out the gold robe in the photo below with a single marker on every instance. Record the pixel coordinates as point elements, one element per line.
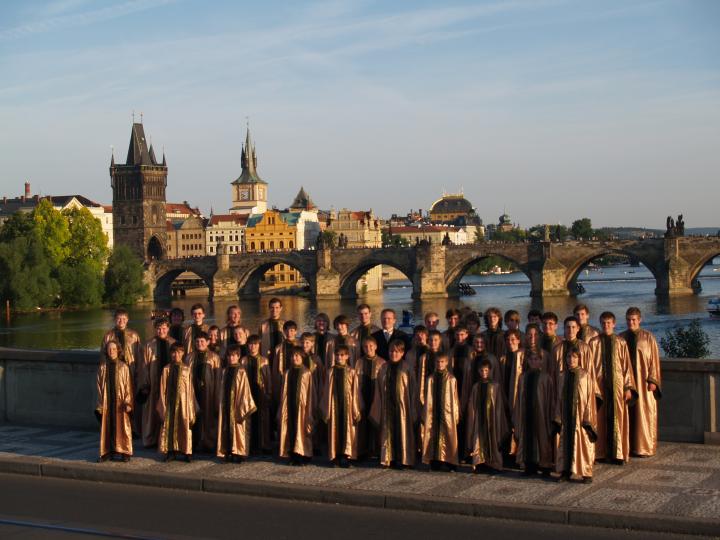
<point>440,419</point>
<point>644,415</point>
<point>486,424</point>
<point>394,412</point>
<point>588,332</point>
<point>472,376</point>
<point>227,332</point>
<point>114,393</point>
<point>235,406</point>
<point>330,346</point>
<point>177,407</point>
<point>321,341</point>
<point>267,347</point>
<point>424,367</point>
<point>587,360</point>
<point>282,359</point>
<point>206,378</point>
<point>510,375</point>
<point>532,420</point>
<point>296,413</point>
<point>361,332</point>
<point>367,370</point>
<point>575,415</point>
<point>613,415</point>
<point>132,350</point>
<point>260,382</point>
<point>494,342</point>
<point>341,409</point>
<point>149,383</point>
<point>413,357</point>
<point>188,339</point>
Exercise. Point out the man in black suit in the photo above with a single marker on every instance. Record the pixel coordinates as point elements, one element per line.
<point>388,333</point>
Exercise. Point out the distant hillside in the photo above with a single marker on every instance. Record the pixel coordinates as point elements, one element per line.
<point>637,232</point>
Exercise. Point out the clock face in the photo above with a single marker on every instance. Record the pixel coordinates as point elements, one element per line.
<point>244,194</point>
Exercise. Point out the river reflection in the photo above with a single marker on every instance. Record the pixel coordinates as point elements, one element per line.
<point>611,289</point>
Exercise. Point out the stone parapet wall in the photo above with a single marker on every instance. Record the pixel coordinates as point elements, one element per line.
<point>57,388</point>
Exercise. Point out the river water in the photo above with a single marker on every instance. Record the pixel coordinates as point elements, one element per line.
<point>609,289</point>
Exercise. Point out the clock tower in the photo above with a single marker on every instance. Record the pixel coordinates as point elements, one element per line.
<point>249,191</point>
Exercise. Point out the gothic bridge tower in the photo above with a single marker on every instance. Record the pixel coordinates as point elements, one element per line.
<point>139,199</point>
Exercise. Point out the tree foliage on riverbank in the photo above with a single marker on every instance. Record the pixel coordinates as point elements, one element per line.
<point>52,259</point>
<point>686,342</point>
<point>124,283</point>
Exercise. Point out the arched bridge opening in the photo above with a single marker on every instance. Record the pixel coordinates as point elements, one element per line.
<point>487,269</point>
<point>609,265</point>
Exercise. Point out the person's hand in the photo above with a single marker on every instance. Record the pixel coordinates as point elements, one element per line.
<point>652,387</point>
<point>628,395</point>
<point>128,409</point>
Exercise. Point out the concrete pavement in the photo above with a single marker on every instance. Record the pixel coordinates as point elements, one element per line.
<point>677,491</point>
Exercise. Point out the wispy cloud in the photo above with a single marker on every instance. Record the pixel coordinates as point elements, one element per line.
<point>57,18</point>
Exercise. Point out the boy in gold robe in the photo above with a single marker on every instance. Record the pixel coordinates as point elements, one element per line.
<point>617,389</point>
<point>235,406</point>
<point>532,419</point>
<point>155,357</point>
<point>440,418</point>
<point>645,361</point>
<point>177,407</point>
<point>365,327</point>
<point>419,346</point>
<point>486,420</point>
<point>342,337</point>
<point>234,333</point>
<point>282,357</point>
<point>425,363</point>
<point>341,407</point>
<point>197,312</point>
<point>575,422</point>
<point>394,410</point>
<point>114,404</point>
<point>493,334</point>
<point>478,355</point>
<point>571,339</point>
<point>549,333</point>
<point>206,373</point>
<point>270,332</point>
<point>260,381</point>
<point>322,335</point>
<point>587,332</point>
<point>296,412</point>
<point>367,368</point>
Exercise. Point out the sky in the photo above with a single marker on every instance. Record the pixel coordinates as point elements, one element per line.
<point>550,110</point>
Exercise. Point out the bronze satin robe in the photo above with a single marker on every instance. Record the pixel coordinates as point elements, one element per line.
<point>368,440</point>
<point>351,413</point>
<point>116,425</point>
<point>332,343</point>
<point>304,418</point>
<point>185,409</point>
<point>281,362</point>
<point>266,349</point>
<point>472,376</point>
<point>583,406</point>
<point>150,382</point>
<point>227,332</point>
<point>494,342</point>
<point>357,335</point>
<point>510,381</point>
<point>486,429</point>
<point>133,352</point>
<point>588,332</point>
<point>263,401</point>
<point>644,415</point>
<point>233,430</point>
<point>614,397</point>
<point>440,427</point>
<point>587,360</point>
<point>405,394</point>
<point>413,356</point>
<point>542,408</point>
<point>188,341</point>
<point>207,398</point>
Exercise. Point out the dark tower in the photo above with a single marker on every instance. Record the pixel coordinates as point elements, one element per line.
<point>139,199</point>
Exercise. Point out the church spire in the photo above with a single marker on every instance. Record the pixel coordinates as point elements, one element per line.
<point>248,162</point>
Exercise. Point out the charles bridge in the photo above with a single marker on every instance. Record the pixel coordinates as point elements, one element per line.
<point>435,271</point>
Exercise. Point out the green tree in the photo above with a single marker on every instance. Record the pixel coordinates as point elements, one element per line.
<point>582,229</point>
<point>682,342</point>
<point>124,283</point>
<point>394,240</point>
<point>513,235</point>
<point>25,277</point>
<point>17,225</point>
<point>87,240</point>
<point>330,238</point>
<point>81,284</point>
<point>54,232</point>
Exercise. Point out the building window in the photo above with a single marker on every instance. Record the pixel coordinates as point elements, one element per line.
<point>290,245</point>
<point>262,245</point>
<point>252,246</point>
<point>272,244</point>
<point>282,244</point>
<point>292,277</point>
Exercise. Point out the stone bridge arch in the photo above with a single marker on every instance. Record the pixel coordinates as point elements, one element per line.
<point>161,274</point>
<point>352,266</point>
<point>574,272</point>
<point>249,269</point>
<point>460,259</point>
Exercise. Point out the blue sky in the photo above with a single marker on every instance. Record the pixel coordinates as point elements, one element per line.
<point>551,109</point>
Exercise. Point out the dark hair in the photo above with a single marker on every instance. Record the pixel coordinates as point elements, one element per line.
<point>633,311</point>
<point>340,319</point>
<point>571,318</point>
<point>230,308</point>
<point>532,326</point>
<point>369,339</point>
<point>572,350</point>
<point>289,325</point>
<point>121,353</point>
<point>460,328</point>
<point>307,335</point>
<point>580,307</point>
<point>511,314</point>
<point>549,316</point>
<point>534,313</point>
<point>363,306</point>
<point>213,327</point>
<point>197,306</point>
<point>485,363</point>
<point>342,349</point>
<point>233,349</point>
<point>160,321</point>
<point>607,315</point>
<point>121,311</point>
<point>397,344</point>
<point>432,333</point>
<point>274,300</point>
<point>324,317</point>
<point>388,310</point>
<point>452,313</point>
<point>472,318</point>
<point>513,332</point>
<point>489,311</point>
<point>176,347</point>
<point>203,335</point>
<point>254,338</point>
<point>177,311</point>
<point>297,350</point>
<point>420,329</point>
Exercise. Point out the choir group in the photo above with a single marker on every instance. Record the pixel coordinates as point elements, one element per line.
<point>494,397</point>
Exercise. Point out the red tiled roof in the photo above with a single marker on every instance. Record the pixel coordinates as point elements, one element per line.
<point>180,208</point>
<point>239,219</point>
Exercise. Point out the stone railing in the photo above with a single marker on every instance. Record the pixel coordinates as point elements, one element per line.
<point>57,388</point>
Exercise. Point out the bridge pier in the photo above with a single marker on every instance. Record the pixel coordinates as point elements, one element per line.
<point>675,278</point>
<point>429,280</point>
<point>225,282</point>
<point>327,280</point>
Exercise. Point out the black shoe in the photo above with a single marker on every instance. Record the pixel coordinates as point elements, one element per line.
<point>124,458</point>
<point>335,462</point>
<point>104,458</point>
<point>237,459</point>
<point>188,458</point>
<point>587,479</point>
<point>344,463</point>
<point>564,477</point>
<point>168,457</point>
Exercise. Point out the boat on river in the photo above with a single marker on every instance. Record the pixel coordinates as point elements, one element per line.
<point>713,307</point>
